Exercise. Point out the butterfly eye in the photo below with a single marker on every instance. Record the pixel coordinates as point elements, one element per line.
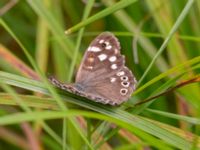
<point>124,78</point>
<point>103,45</point>
<point>125,84</point>
<point>123,91</point>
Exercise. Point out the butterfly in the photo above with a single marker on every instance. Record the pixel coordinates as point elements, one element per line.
<point>102,75</point>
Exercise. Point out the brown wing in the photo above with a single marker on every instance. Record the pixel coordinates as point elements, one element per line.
<point>114,89</point>
<point>103,74</point>
<point>96,59</point>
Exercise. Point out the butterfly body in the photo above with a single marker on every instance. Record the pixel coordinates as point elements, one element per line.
<point>102,75</point>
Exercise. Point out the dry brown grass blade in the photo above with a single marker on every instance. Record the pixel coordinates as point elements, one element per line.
<point>13,138</point>
<point>28,72</point>
<point>131,138</point>
<point>184,83</point>
<point>16,63</point>
<point>7,7</point>
<point>184,134</point>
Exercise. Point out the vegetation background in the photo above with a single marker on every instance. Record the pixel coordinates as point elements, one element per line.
<point>161,42</point>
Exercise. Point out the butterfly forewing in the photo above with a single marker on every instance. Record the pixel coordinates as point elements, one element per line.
<point>96,58</point>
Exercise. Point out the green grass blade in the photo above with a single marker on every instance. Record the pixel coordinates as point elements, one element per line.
<point>175,116</point>
<point>119,5</point>
<point>169,36</point>
<point>115,113</point>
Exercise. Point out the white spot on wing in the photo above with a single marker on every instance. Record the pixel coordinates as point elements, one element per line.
<point>112,79</point>
<point>121,73</point>
<point>108,47</point>
<point>101,41</point>
<point>116,51</point>
<point>102,57</point>
<point>113,66</point>
<point>94,49</point>
<point>107,43</point>
<point>90,67</point>
<point>112,58</point>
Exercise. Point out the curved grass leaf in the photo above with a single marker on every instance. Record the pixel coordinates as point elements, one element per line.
<point>113,112</point>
